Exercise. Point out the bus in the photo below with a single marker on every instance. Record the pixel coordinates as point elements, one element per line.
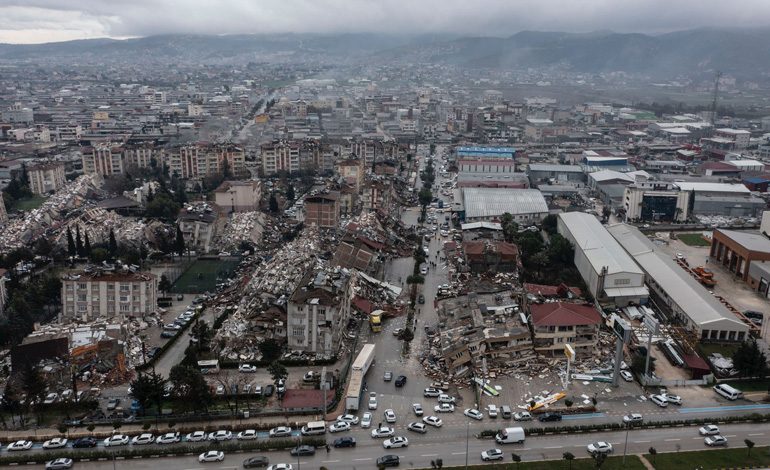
<point>209,366</point>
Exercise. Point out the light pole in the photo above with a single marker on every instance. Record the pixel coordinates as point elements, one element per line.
<point>467,433</point>
<point>625,446</point>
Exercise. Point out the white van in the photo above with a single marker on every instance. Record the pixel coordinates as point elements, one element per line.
<point>659,400</point>
<point>728,392</point>
<point>314,428</point>
<point>510,436</point>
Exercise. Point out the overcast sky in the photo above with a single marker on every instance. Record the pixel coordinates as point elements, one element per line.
<point>35,21</point>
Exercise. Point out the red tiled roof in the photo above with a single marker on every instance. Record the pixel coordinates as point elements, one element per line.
<point>563,314</point>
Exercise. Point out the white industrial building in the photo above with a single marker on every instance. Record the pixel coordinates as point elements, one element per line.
<point>676,291</point>
<point>488,204</point>
<point>608,271</point>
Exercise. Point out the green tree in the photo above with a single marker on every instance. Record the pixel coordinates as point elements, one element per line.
<point>87,245</point>
<point>270,349</point>
<point>638,362</point>
<point>148,390</point>
<point>164,285</point>
<point>539,261</point>
<point>425,197</point>
<point>653,452</point>
<point>749,359</point>
<point>99,254</point>
<point>277,371</point>
<point>273,203</point>
<point>415,279</point>
<point>549,224</point>
<point>190,387</point>
<point>179,244</point>
<point>516,458</point>
<point>162,207</point>
<point>569,457</point>
<point>202,335</point>
<point>599,458</point>
<point>407,334</point>
<point>71,248</point>
<point>749,445</point>
<point>568,403</point>
<point>79,242</point>
<point>290,194</point>
<point>113,244</point>
<point>510,228</point>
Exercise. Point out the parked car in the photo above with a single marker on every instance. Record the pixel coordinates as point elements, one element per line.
<point>116,440</point>
<point>309,376</point>
<point>659,400</point>
<point>492,454</point>
<point>444,408</point>
<point>302,451</point>
<point>247,434</point>
<point>417,408</point>
<point>55,443</point>
<point>633,418</point>
<point>444,398</point>
<point>549,417</point>
<point>247,368</point>
<point>269,389</point>
<point>395,442</point>
<point>627,376</point>
<point>339,426</point>
<point>84,442</point>
<point>431,392</point>
<point>351,419</point>
<point>113,403</point>
<point>221,435</point>
<point>674,399</point>
<point>196,436</point>
<point>280,431</point>
<point>401,381</point>
<point>473,413</point>
<point>417,427</point>
<point>59,464</point>
<point>168,438</point>
<point>434,421</point>
<point>390,416</point>
<point>384,431</point>
<point>256,462</point>
<point>388,376</point>
<point>522,416</point>
<point>346,441</point>
<point>372,400</point>
<point>20,445</point>
<point>366,420</point>
<point>492,410</point>
<point>143,439</point>
<point>211,456</point>
<point>280,466</point>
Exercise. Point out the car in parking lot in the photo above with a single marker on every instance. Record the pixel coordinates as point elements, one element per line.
<point>549,417</point>
<point>384,431</point>
<point>20,445</point>
<point>492,411</point>
<point>268,391</point>
<point>444,398</point>
<point>674,399</point>
<point>302,451</point>
<point>221,435</point>
<point>709,430</point>
<point>211,456</point>
<point>258,461</point>
<point>633,418</point>
<point>113,403</point>
<point>372,400</point>
<point>390,416</point>
<point>659,400</point>
<point>352,419</point>
<point>116,440</point>
<point>627,376</point>
<point>434,421</point>
<point>473,413</point>
<point>388,376</point>
<point>309,376</point>
<point>714,441</point>
<point>346,441</point>
<point>168,438</point>
<point>400,381</point>
<point>143,439</point>
<point>280,431</point>
<point>444,408</point>
<point>388,461</point>
<point>339,426</point>
<point>395,442</point>
<point>366,420</point>
<point>417,408</point>
<point>431,392</point>
<point>55,443</point>
<point>247,435</point>
<point>492,454</point>
<point>59,464</point>
<point>417,427</point>
<point>599,447</point>
<point>247,368</point>
<point>196,436</point>
<point>84,442</point>
<point>522,416</point>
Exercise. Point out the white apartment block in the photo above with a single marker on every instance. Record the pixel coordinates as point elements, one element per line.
<point>46,177</point>
<point>88,296</point>
<point>103,159</point>
<point>198,161</point>
<point>280,156</point>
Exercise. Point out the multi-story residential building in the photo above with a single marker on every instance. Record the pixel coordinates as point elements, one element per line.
<point>352,172</point>
<point>558,323</point>
<point>280,156</point>
<point>322,210</point>
<point>238,196</point>
<point>198,229</point>
<point>201,160</point>
<point>142,155</point>
<point>104,159</point>
<point>87,296</point>
<point>46,177</point>
<point>318,312</point>
<point>3,212</point>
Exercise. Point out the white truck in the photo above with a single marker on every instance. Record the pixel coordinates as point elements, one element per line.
<point>356,378</point>
<point>510,436</point>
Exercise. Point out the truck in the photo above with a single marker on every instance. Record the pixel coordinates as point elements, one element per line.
<point>358,372</point>
<point>375,321</point>
<point>513,435</point>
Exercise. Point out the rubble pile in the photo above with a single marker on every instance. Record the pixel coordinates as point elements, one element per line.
<point>20,232</point>
<point>98,222</point>
<point>243,226</point>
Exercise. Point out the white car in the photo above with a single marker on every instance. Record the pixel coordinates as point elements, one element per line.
<point>221,435</point>
<point>383,432</point>
<point>626,376</point>
<point>280,431</point>
<point>417,408</point>
<point>633,418</point>
<point>492,410</point>
<point>116,440</point>
<point>390,416</point>
<point>599,447</point>
<point>372,400</point>
<point>492,454</point>
<point>709,430</point>
<point>220,390</point>
<point>196,436</point>
<point>59,464</point>
<point>366,420</point>
<point>248,434</point>
<point>281,466</point>
<point>473,413</point>
<point>659,400</point>
<point>339,426</point>
<point>20,445</point>
<point>434,421</point>
<point>352,419</point>
<point>211,456</point>
<point>417,427</point>
<point>51,398</point>
<point>444,408</point>
<point>713,441</point>
<point>522,416</point>
<point>55,443</point>
<point>143,439</point>
<point>431,392</point>
<point>395,442</point>
<point>247,368</point>
<point>168,438</point>
<point>674,399</point>
<point>444,398</point>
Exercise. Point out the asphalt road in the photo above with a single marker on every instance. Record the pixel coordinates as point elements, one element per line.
<point>449,445</point>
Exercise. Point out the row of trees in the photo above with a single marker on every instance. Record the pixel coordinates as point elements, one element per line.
<point>37,300</point>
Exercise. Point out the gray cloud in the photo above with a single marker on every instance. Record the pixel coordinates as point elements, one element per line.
<point>45,20</point>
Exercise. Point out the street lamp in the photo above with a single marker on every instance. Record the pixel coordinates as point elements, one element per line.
<point>467,433</point>
<point>625,446</point>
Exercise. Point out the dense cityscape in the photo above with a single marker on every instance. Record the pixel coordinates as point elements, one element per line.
<point>340,252</point>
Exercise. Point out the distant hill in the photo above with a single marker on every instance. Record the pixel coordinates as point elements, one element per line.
<point>739,52</point>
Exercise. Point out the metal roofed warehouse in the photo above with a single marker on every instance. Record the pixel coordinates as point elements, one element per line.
<point>678,292</point>
<point>608,271</point>
<point>485,204</point>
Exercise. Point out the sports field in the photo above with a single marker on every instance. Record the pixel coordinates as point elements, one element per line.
<point>693,239</point>
<point>203,275</point>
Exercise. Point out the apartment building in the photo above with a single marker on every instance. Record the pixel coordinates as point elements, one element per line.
<point>238,196</point>
<point>558,323</point>
<point>322,210</point>
<point>142,155</point>
<point>104,159</point>
<point>198,229</point>
<point>318,312</point>
<point>280,156</point>
<point>87,296</point>
<point>46,177</point>
<point>201,160</point>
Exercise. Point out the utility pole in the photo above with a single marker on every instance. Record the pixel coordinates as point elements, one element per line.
<point>324,387</point>
<point>714,99</point>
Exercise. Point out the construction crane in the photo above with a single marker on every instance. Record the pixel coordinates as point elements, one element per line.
<point>714,99</point>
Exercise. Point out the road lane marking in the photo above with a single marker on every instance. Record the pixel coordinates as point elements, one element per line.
<point>429,455</point>
<point>463,453</point>
<point>729,435</point>
<point>671,440</point>
<point>757,434</point>
<point>724,408</point>
<point>361,460</point>
<point>330,461</point>
<point>640,442</point>
<point>554,447</point>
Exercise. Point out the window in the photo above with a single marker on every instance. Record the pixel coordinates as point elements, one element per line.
<point>81,297</point>
<point>125,308</point>
<point>82,285</point>
<point>297,331</point>
<point>622,282</point>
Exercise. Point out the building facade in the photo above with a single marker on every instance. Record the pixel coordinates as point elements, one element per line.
<point>46,177</point>
<point>280,156</point>
<point>323,210</point>
<point>558,323</point>
<point>88,296</point>
<point>238,196</point>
